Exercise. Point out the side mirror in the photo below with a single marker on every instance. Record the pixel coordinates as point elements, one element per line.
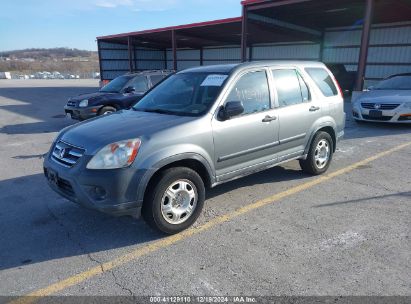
<point>129,90</point>
<point>231,109</point>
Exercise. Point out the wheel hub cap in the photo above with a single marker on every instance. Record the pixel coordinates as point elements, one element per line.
<point>322,153</point>
<point>179,201</point>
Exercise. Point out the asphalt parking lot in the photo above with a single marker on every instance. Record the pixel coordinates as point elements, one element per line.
<point>278,232</point>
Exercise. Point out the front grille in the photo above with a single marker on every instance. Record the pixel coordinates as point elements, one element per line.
<point>71,103</point>
<point>66,154</point>
<point>382,118</point>
<point>65,186</point>
<point>61,183</point>
<point>382,106</point>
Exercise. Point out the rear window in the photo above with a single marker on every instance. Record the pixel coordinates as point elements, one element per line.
<point>323,81</point>
<point>156,79</point>
<point>288,87</point>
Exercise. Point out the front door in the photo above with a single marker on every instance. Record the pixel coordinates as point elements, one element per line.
<point>249,140</point>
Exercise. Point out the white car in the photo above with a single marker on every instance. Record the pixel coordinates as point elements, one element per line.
<point>388,101</point>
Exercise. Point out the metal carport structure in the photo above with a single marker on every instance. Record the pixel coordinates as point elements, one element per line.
<point>312,18</point>
<point>332,31</point>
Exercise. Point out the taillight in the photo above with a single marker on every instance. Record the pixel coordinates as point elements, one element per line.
<point>339,88</point>
<point>338,85</point>
<point>104,82</point>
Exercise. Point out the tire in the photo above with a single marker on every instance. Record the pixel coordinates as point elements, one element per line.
<point>106,110</point>
<point>175,192</point>
<point>314,164</point>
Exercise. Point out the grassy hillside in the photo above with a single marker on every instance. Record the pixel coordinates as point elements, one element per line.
<point>64,60</point>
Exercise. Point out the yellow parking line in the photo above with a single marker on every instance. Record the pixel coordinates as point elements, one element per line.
<point>142,251</point>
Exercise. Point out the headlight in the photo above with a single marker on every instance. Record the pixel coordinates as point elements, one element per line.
<point>116,155</point>
<point>83,103</point>
<point>407,105</point>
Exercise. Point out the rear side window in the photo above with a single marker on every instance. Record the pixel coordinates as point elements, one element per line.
<point>287,84</point>
<point>323,81</point>
<point>156,79</point>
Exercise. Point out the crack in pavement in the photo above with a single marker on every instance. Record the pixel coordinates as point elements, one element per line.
<point>122,286</point>
<point>70,238</point>
<point>89,255</point>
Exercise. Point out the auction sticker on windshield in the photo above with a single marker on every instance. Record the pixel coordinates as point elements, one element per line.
<point>214,80</point>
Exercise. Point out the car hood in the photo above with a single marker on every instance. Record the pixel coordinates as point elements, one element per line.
<point>98,132</point>
<point>99,96</point>
<point>91,96</point>
<point>386,96</point>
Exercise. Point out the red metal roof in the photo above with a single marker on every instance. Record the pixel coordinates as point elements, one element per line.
<point>177,27</point>
<point>247,2</point>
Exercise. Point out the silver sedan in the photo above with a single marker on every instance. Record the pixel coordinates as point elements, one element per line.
<point>388,101</point>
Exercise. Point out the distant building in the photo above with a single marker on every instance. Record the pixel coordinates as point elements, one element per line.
<point>5,75</point>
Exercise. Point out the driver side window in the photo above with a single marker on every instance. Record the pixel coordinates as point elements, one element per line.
<point>252,90</point>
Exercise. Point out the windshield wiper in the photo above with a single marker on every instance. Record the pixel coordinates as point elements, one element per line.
<point>160,111</point>
<point>108,91</point>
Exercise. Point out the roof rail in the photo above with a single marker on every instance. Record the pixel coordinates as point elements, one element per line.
<point>151,71</point>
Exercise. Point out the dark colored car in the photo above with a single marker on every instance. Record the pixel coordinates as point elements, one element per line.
<point>346,79</point>
<point>120,93</point>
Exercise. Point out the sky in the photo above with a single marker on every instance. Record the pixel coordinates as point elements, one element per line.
<point>77,23</point>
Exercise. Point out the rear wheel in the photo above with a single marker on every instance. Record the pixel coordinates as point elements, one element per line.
<point>107,110</point>
<point>320,154</point>
<point>175,200</point>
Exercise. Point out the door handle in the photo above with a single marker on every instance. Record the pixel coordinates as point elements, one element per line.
<point>313,108</point>
<point>269,118</point>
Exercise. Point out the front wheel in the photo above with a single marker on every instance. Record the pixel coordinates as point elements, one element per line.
<point>320,154</point>
<point>175,200</point>
<point>107,110</point>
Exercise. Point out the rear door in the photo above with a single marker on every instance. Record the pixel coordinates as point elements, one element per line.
<point>332,99</point>
<point>297,110</point>
<point>249,140</point>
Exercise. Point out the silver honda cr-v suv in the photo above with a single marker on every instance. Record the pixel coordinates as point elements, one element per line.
<point>197,129</point>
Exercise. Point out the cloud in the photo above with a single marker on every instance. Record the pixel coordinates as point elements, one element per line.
<point>139,5</point>
<point>105,4</point>
<point>114,3</point>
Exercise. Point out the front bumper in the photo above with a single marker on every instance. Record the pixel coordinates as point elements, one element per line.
<point>81,113</point>
<point>399,115</point>
<point>110,191</point>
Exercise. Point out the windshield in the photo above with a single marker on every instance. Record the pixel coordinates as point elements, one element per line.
<point>115,85</point>
<point>395,83</point>
<point>183,94</point>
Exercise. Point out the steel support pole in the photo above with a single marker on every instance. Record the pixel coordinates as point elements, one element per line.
<point>244,28</point>
<point>135,58</point>
<point>365,41</point>
<point>99,60</point>
<point>321,54</point>
<point>130,58</point>
<point>174,47</point>
<point>165,59</point>
<point>250,53</point>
